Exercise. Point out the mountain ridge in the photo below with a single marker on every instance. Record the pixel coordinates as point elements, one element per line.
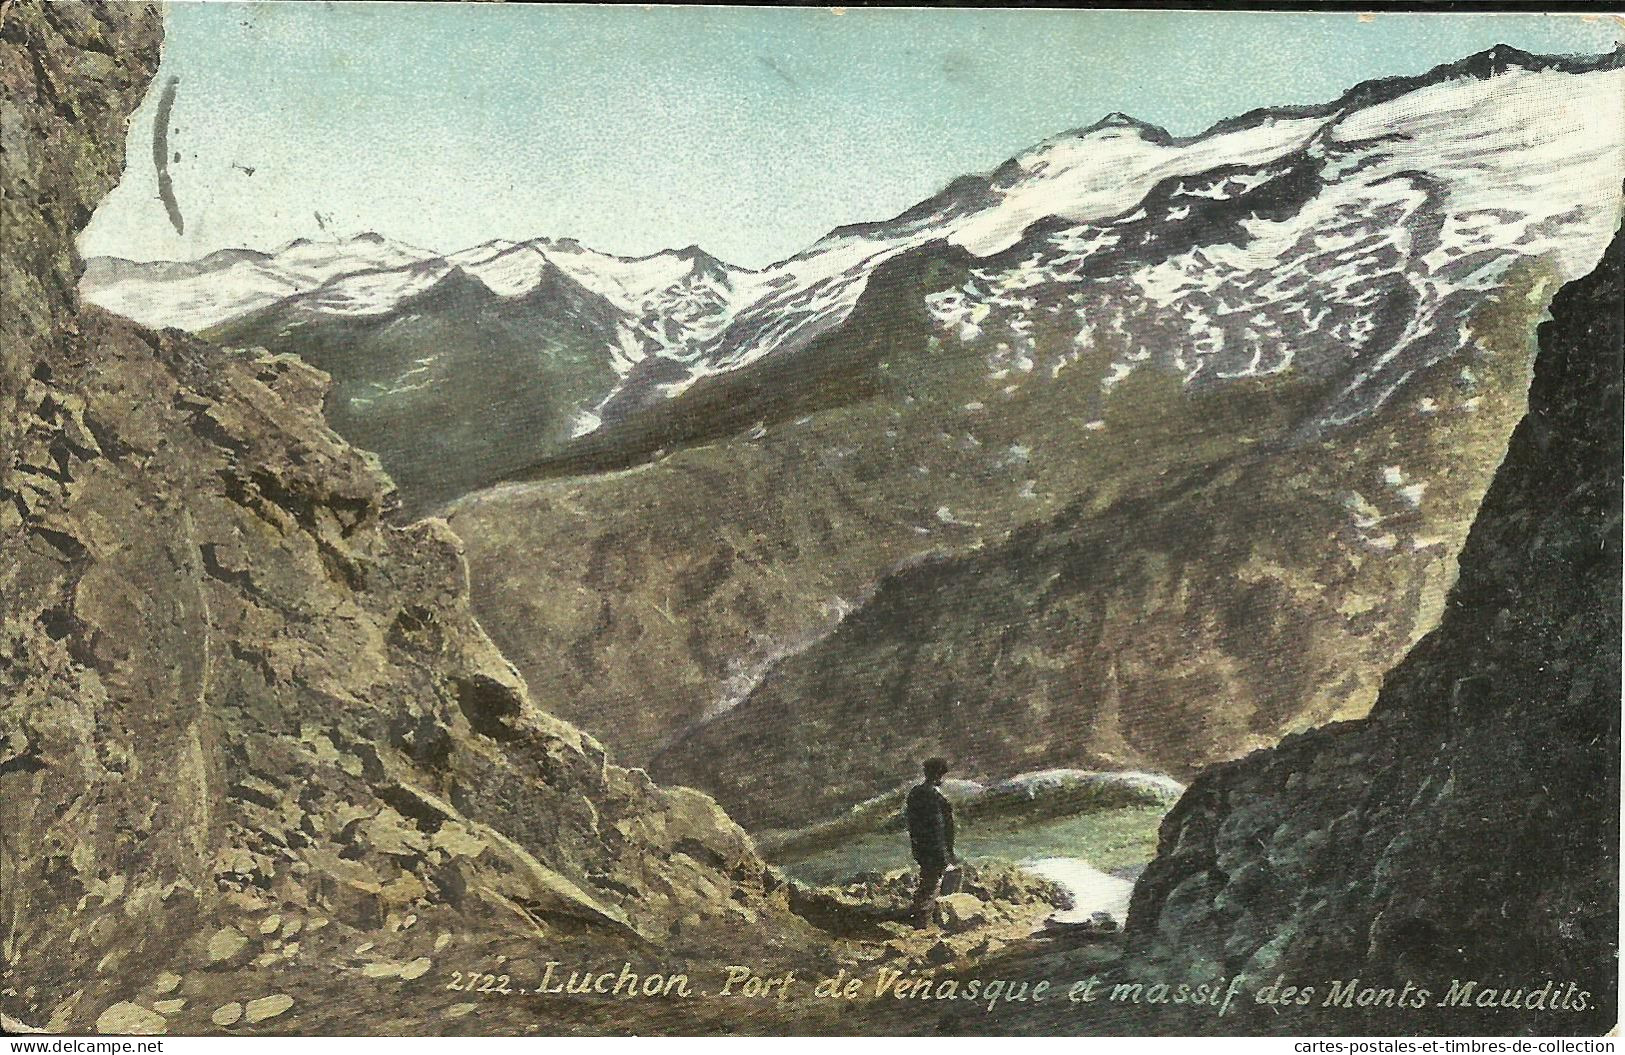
<point>1333,326</point>
<point>933,385</point>
<point>1492,61</point>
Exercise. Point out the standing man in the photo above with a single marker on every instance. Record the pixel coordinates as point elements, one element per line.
<point>930,837</point>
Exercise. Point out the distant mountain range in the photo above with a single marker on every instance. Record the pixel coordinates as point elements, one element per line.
<point>1138,451</point>
<point>197,294</point>
<point>456,370</point>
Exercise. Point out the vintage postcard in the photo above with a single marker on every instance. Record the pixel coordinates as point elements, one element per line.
<point>578,520</point>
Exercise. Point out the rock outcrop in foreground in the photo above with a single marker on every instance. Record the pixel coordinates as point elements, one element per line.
<point>1468,830</point>
<point>260,767</point>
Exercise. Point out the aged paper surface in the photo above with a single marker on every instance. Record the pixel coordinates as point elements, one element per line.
<point>571,520</point>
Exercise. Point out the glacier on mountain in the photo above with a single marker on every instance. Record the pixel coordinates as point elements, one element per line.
<point>1348,240</point>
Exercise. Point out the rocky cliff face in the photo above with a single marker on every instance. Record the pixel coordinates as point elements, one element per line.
<point>73,73</point>
<point>1468,830</point>
<point>261,769</point>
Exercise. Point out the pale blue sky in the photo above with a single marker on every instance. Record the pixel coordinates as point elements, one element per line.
<point>748,131</point>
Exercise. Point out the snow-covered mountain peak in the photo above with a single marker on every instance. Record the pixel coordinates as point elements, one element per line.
<point>1424,191</point>
<point>196,295</point>
<point>1272,239</point>
<point>368,246</point>
<point>1118,124</point>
